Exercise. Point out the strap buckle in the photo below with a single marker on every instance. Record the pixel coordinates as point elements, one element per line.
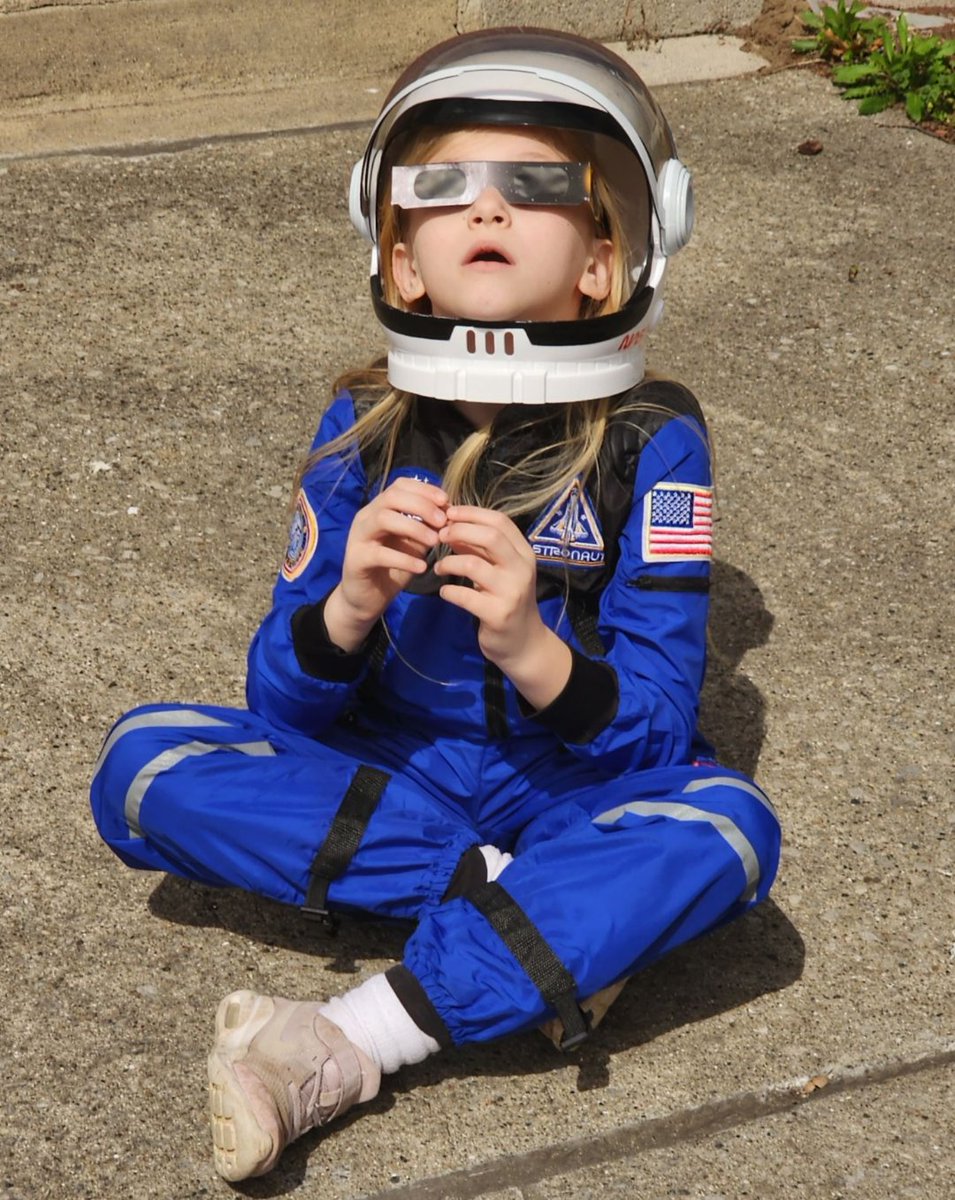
<point>344,836</point>
<point>538,961</point>
<point>582,1016</point>
<point>321,916</point>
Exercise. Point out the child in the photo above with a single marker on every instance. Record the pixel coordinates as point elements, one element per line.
<point>474,701</point>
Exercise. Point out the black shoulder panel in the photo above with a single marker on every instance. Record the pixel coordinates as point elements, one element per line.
<point>637,415</point>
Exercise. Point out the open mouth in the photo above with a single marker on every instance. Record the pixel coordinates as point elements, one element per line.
<point>487,254</point>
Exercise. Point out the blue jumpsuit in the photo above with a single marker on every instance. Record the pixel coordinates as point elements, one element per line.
<point>628,837</point>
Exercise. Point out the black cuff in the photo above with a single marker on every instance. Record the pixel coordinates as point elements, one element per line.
<point>470,873</point>
<point>585,707</point>
<point>317,654</point>
<point>414,1000</point>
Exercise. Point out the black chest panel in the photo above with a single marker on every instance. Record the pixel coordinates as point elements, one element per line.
<point>437,429</point>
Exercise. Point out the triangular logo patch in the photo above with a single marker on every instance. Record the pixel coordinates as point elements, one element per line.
<point>567,532</point>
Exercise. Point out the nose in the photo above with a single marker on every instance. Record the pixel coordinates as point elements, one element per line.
<point>490,208</point>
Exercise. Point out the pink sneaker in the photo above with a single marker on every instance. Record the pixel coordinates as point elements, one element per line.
<point>278,1069</point>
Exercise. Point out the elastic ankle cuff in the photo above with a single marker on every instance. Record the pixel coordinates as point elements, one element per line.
<point>470,873</point>
<point>414,1000</point>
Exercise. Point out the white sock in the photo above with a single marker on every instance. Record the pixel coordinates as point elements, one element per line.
<point>373,1017</point>
<point>496,860</point>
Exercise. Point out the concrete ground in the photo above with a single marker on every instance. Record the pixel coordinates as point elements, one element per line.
<point>170,324</point>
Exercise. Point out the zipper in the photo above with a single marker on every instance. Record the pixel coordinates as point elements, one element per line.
<point>670,583</point>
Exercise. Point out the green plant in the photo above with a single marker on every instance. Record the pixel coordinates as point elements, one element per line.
<point>916,70</point>
<point>840,34</point>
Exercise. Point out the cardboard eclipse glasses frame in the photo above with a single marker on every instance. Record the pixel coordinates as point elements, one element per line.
<point>427,185</point>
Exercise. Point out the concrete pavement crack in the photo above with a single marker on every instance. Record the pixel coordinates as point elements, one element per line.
<point>686,1125</point>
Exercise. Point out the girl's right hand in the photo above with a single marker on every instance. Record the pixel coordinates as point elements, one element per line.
<point>388,543</point>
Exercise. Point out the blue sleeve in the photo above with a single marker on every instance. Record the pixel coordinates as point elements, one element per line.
<point>636,706</point>
<point>287,683</point>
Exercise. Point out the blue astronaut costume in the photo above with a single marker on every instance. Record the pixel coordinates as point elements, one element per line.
<point>628,838</point>
<point>367,781</point>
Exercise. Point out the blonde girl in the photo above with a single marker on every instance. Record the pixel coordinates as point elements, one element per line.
<point>473,704</point>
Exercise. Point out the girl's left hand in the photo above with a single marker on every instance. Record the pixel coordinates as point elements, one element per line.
<point>488,549</point>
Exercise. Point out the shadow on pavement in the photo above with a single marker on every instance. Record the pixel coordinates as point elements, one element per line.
<point>732,714</point>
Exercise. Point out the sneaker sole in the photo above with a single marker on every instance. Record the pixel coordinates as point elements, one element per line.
<point>240,1147</point>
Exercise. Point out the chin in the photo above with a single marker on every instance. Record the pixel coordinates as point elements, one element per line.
<point>485,308</point>
<point>492,312</point>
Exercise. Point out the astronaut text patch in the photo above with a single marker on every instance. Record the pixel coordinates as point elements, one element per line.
<point>568,531</point>
<point>302,539</point>
<point>678,523</point>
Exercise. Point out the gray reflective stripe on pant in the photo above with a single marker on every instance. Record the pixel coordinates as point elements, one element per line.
<point>686,812</point>
<point>171,758</point>
<point>741,785</point>
<point>151,720</point>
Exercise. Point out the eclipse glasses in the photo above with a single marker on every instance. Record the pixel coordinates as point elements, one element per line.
<point>426,185</point>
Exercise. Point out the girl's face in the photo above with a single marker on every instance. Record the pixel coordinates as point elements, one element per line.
<point>494,261</point>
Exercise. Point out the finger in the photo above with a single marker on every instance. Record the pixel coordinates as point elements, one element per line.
<point>481,538</point>
<point>490,544</point>
<point>493,525</point>
<point>470,566</point>
<point>431,490</point>
<point>492,518</point>
<point>475,513</point>
<point>463,546</point>
<point>412,496</point>
<point>385,558</point>
<point>405,526</point>
<point>465,598</point>
<point>407,546</point>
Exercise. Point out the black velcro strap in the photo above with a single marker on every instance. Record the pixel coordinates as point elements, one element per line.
<point>541,965</point>
<point>584,623</point>
<point>343,839</point>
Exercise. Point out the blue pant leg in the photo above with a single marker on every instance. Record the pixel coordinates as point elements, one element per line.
<point>219,796</point>
<point>613,878</point>
<point>137,739</point>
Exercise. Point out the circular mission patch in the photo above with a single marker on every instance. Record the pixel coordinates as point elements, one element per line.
<point>302,539</point>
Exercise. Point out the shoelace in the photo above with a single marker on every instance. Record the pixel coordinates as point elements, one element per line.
<point>305,1110</point>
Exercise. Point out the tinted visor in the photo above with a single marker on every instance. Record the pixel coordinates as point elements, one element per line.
<point>425,185</point>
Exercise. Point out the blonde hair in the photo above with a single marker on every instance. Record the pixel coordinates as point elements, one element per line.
<point>579,428</point>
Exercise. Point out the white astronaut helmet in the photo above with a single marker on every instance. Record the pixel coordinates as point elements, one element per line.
<point>545,79</point>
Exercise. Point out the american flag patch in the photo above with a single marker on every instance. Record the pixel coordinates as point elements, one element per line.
<point>678,523</point>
